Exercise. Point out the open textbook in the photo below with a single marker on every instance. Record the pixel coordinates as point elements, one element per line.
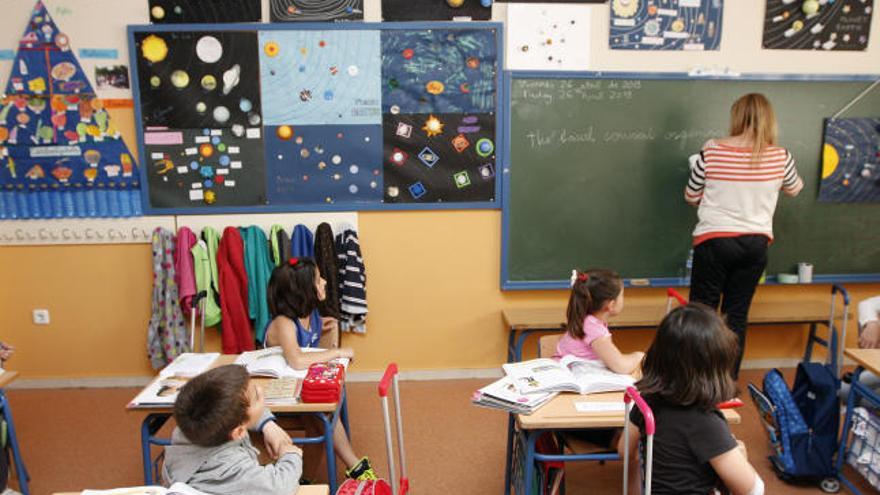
<point>189,364</point>
<point>503,394</point>
<point>161,392</point>
<point>175,489</point>
<point>569,374</point>
<point>270,362</point>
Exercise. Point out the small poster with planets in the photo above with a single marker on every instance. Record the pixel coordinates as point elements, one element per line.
<point>315,11</point>
<point>548,37</point>
<point>817,24</point>
<point>666,25</point>
<point>851,161</point>
<point>436,10</point>
<point>202,12</point>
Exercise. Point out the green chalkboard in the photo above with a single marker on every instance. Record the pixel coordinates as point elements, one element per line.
<point>597,167</point>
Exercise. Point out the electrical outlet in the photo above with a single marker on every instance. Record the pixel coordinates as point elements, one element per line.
<point>41,317</point>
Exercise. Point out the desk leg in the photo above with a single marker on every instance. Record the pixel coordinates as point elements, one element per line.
<point>531,438</point>
<point>520,342</point>
<point>329,422</point>
<point>20,469</point>
<point>508,461</point>
<point>511,339</point>
<point>808,353</point>
<point>149,427</point>
<point>343,415</point>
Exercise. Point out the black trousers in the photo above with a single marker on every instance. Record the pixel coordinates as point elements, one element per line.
<point>727,270</point>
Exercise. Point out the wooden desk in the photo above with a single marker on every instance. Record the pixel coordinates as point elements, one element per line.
<point>6,378</point>
<point>523,321</point>
<point>303,490</point>
<point>560,414</point>
<point>328,413</point>
<point>867,359</point>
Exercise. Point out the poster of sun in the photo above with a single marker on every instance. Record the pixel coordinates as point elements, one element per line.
<point>665,24</point>
<point>57,141</point>
<point>315,10</point>
<point>204,12</point>
<point>342,117</point>
<point>851,161</point>
<point>817,24</point>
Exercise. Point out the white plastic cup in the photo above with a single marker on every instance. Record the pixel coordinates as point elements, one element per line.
<point>805,273</point>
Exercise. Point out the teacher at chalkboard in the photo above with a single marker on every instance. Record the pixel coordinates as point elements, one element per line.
<point>734,183</point>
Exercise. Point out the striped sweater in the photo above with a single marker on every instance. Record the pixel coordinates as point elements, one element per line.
<point>736,195</point>
<point>352,283</point>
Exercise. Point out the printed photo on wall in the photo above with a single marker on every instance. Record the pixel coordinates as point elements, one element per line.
<point>115,76</point>
<point>817,25</point>
<point>851,161</point>
<point>666,25</point>
<point>548,37</point>
<point>311,10</point>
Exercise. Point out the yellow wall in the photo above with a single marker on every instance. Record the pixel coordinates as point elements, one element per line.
<point>433,285</point>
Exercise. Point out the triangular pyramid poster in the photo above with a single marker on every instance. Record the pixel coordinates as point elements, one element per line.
<point>55,135</point>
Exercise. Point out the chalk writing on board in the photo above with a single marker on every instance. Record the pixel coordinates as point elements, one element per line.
<point>562,137</point>
<point>546,92</point>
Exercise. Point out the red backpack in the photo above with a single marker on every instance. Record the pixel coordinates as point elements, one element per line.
<point>371,487</point>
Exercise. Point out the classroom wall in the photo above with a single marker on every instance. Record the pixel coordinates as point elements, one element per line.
<point>433,276</point>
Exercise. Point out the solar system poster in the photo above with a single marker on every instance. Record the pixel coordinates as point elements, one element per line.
<point>315,10</point>
<point>204,12</point>
<point>851,161</point>
<point>436,10</point>
<point>666,24</point>
<point>318,117</point>
<point>817,24</point>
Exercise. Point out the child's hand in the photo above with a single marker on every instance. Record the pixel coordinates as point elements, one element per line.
<point>291,449</point>
<point>6,351</point>
<point>276,439</point>
<point>345,352</point>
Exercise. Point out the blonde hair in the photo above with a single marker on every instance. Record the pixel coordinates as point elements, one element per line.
<point>752,117</point>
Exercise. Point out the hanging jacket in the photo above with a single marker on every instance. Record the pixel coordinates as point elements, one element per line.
<point>325,257</point>
<point>352,283</point>
<point>237,335</point>
<point>184,273</point>
<point>167,337</point>
<point>212,242</point>
<point>205,282</point>
<point>259,269</point>
<point>302,243</point>
<point>280,243</point>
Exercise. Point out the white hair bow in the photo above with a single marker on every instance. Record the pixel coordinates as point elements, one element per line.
<point>574,277</point>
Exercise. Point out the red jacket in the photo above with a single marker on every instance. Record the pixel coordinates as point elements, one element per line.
<point>237,335</point>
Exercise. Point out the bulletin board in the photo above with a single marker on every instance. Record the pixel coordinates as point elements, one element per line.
<point>311,117</point>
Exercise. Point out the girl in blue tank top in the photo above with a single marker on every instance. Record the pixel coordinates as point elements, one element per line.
<point>295,289</point>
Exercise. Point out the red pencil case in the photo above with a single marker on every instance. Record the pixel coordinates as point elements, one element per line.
<point>323,383</point>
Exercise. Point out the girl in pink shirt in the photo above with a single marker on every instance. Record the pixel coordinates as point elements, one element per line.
<point>596,296</point>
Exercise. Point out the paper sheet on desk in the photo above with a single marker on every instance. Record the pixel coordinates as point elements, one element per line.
<point>598,407</point>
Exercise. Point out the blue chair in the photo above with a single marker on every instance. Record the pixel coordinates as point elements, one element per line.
<point>20,469</point>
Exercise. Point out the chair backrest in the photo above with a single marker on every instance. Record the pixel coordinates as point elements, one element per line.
<point>547,345</point>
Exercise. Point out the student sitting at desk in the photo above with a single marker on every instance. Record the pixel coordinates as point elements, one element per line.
<point>295,289</point>
<point>869,338</point>
<point>596,296</point>
<point>210,448</point>
<point>687,371</point>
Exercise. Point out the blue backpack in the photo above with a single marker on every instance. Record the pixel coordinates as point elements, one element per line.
<point>806,418</point>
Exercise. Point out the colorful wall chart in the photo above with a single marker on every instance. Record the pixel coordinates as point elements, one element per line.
<point>315,10</point>
<point>548,37</point>
<point>55,135</point>
<point>436,10</point>
<point>851,161</point>
<point>438,101</point>
<point>665,24</point>
<point>200,11</point>
<point>194,80</point>
<point>818,25</point>
<point>352,116</point>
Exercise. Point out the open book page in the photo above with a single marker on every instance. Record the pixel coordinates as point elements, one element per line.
<point>282,391</point>
<point>175,489</point>
<point>190,364</point>
<point>591,375</point>
<point>271,362</point>
<point>506,391</point>
<point>161,392</point>
<point>540,375</point>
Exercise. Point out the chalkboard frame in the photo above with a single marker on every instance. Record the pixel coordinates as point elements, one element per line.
<point>500,106</point>
<point>509,76</point>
